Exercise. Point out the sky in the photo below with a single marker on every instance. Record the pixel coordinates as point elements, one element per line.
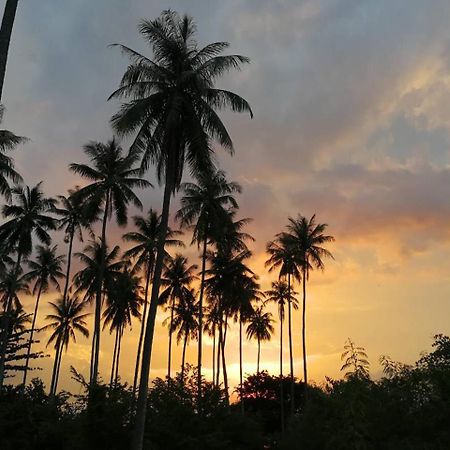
<point>351,102</point>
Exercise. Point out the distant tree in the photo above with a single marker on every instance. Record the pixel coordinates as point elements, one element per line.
<point>308,237</point>
<point>123,302</point>
<point>114,176</point>
<point>46,270</point>
<point>26,217</point>
<point>143,254</point>
<point>184,322</point>
<point>280,294</point>
<point>260,328</point>
<point>177,279</point>
<point>66,320</point>
<point>206,204</point>
<point>172,110</point>
<point>356,364</point>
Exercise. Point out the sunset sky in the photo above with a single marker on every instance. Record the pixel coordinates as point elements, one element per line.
<point>352,122</point>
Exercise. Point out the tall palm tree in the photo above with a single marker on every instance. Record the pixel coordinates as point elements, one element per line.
<point>282,256</point>
<point>5,37</point>
<point>172,110</point>
<point>28,217</point>
<point>122,304</point>
<point>212,321</point>
<point>113,177</point>
<point>280,294</point>
<point>91,276</point>
<point>184,321</point>
<point>225,285</point>
<point>46,270</point>
<point>177,279</point>
<point>260,328</point>
<point>66,320</point>
<point>143,254</point>
<point>8,141</point>
<point>307,238</point>
<point>73,219</point>
<point>206,204</point>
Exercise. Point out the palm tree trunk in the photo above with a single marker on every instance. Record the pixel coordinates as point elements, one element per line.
<point>98,297</point>
<point>241,379</point>
<point>183,358</point>
<point>5,37</point>
<point>291,358</point>
<point>139,425</point>
<point>69,263</point>
<point>219,348</point>
<point>58,369</point>
<point>5,336</point>
<point>55,366</point>
<point>305,372</point>
<point>116,378</point>
<point>259,355</point>
<point>281,375</point>
<point>141,334</point>
<point>169,356</point>
<point>224,364</point>
<point>200,324</point>
<point>113,364</point>
<point>30,341</point>
<point>214,357</point>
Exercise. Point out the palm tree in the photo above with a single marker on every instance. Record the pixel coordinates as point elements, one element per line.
<point>72,220</point>
<point>143,254</point>
<point>205,203</point>
<point>283,256</point>
<point>212,321</point>
<point>8,141</point>
<point>27,218</point>
<point>279,294</point>
<point>260,328</point>
<point>172,110</point>
<point>91,276</point>
<point>15,283</point>
<point>67,319</point>
<point>122,303</point>
<point>307,238</point>
<point>184,321</point>
<point>225,285</point>
<point>113,176</point>
<point>177,278</point>
<point>5,37</point>
<point>44,271</point>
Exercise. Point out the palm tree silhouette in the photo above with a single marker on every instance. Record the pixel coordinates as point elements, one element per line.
<point>282,256</point>
<point>143,254</point>
<point>280,294</point>
<point>184,321</point>
<point>206,204</point>
<point>260,328</point>
<point>44,271</point>
<point>114,176</point>
<point>67,319</point>
<point>212,321</point>
<point>91,276</point>
<point>122,304</point>
<point>28,217</point>
<point>8,141</point>
<point>307,238</point>
<point>172,110</point>
<point>73,219</point>
<point>177,278</point>
<point>9,15</point>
